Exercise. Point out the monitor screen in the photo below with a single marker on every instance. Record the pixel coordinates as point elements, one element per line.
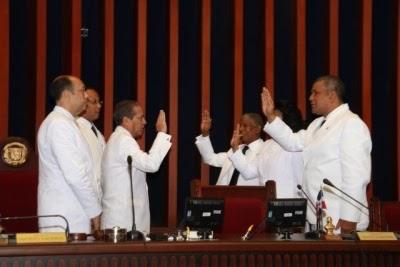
<point>204,213</point>
<point>287,212</point>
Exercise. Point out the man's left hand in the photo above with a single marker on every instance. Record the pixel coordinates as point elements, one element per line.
<point>346,227</point>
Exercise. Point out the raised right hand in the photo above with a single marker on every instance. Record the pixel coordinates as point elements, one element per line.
<point>268,105</point>
<point>205,125</point>
<point>161,124</point>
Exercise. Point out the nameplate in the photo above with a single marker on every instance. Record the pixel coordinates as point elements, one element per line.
<point>376,236</point>
<point>48,237</point>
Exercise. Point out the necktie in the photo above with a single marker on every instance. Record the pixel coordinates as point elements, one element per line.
<point>235,174</point>
<point>94,130</point>
<point>322,123</point>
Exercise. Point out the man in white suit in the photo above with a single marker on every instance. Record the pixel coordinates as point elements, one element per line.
<point>92,135</point>
<point>117,200</point>
<point>65,164</point>
<point>251,144</point>
<point>337,146</point>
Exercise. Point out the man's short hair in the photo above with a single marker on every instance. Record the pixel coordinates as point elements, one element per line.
<point>334,83</point>
<point>256,118</point>
<point>124,109</point>
<point>60,84</point>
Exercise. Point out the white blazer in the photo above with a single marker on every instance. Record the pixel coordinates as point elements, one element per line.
<point>97,145</point>
<point>117,201</point>
<point>276,164</point>
<point>66,184</point>
<point>340,150</point>
<point>223,161</point>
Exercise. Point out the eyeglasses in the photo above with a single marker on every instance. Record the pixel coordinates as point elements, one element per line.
<point>95,102</point>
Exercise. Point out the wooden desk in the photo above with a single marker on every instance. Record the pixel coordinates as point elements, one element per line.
<point>262,251</point>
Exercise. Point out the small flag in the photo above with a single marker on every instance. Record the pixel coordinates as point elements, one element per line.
<point>321,200</point>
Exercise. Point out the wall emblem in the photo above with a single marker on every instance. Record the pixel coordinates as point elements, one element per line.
<point>14,154</point>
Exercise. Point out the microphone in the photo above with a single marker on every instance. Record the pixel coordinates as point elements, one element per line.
<point>306,195</point>
<point>315,234</point>
<point>327,182</point>
<point>134,234</point>
<point>40,216</point>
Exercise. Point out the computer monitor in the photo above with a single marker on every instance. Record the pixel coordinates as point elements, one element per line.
<point>287,213</point>
<point>203,213</point>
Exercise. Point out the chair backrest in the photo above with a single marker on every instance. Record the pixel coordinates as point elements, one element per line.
<point>384,215</point>
<point>244,205</point>
<point>18,184</point>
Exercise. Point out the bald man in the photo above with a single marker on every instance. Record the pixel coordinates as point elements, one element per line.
<point>65,164</point>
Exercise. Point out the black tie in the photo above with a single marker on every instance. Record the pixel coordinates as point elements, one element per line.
<point>94,130</point>
<point>322,123</point>
<point>235,174</point>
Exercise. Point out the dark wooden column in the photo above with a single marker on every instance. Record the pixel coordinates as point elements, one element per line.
<point>41,48</point>
<point>173,110</point>
<point>333,36</point>
<point>4,66</point>
<point>238,62</point>
<point>108,66</point>
<point>141,64</point>
<point>301,63</point>
<point>205,71</point>
<point>398,100</point>
<point>270,46</point>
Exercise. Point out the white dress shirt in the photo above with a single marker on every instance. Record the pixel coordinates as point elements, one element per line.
<point>66,184</point>
<point>117,201</point>
<point>96,145</point>
<point>223,161</point>
<point>273,163</point>
<point>340,150</point>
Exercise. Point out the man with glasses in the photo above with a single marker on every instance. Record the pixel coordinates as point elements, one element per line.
<point>92,135</point>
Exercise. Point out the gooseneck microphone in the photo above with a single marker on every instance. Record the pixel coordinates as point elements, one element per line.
<point>40,216</point>
<point>306,195</point>
<point>327,182</point>
<point>312,234</point>
<point>134,234</point>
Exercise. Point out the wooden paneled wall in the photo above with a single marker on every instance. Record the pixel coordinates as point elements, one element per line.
<point>4,66</point>
<point>74,55</point>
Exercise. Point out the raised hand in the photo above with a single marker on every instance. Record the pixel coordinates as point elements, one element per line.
<point>268,106</point>
<point>161,124</point>
<point>205,125</point>
<point>236,139</point>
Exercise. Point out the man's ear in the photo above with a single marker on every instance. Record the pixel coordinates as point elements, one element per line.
<point>124,120</point>
<point>66,94</point>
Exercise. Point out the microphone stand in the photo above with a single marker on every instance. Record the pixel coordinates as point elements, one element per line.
<point>317,233</point>
<point>134,234</point>
<point>327,182</point>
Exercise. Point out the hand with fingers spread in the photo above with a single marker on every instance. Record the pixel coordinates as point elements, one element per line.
<point>236,139</point>
<point>205,125</point>
<point>161,124</point>
<point>268,105</point>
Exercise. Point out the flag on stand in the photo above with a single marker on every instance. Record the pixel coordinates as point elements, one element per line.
<point>321,200</point>
<point>320,205</point>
